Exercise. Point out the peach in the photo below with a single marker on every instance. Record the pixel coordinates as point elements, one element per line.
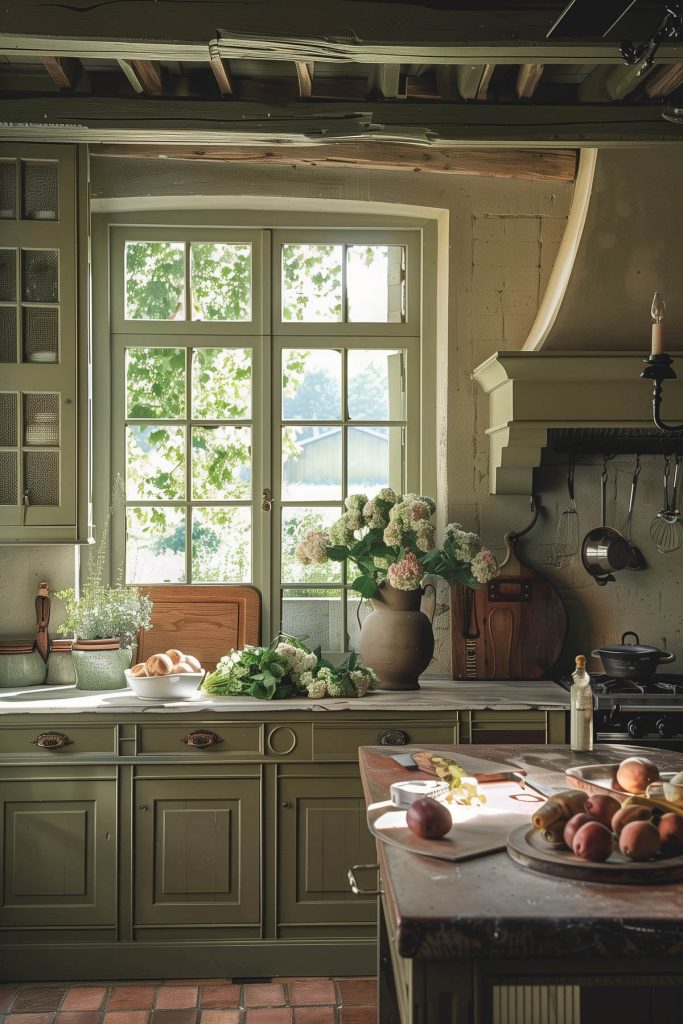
<point>603,807</point>
<point>671,834</point>
<point>639,840</point>
<point>428,818</point>
<point>636,773</point>
<point>632,812</point>
<point>573,825</point>
<point>593,841</point>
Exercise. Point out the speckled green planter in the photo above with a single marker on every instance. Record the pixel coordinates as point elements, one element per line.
<point>101,670</point>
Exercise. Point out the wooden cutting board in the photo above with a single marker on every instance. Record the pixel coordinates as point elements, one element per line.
<point>512,628</point>
<point>206,621</point>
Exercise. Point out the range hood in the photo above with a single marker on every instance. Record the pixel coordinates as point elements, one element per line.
<point>578,376</point>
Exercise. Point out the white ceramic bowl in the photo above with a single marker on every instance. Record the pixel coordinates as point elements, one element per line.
<point>175,686</point>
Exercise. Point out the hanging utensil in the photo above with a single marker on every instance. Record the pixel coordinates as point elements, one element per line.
<point>666,529</point>
<point>636,559</point>
<point>604,550</point>
<point>567,534</point>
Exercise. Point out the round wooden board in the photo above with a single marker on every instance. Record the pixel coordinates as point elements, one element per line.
<point>527,847</point>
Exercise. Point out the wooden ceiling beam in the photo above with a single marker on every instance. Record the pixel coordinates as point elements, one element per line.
<point>536,165</point>
<point>664,81</point>
<point>77,118</point>
<point>528,77</point>
<point>605,83</point>
<point>149,75</point>
<point>304,76</point>
<point>474,80</point>
<point>221,71</point>
<point>63,71</point>
<point>385,82</point>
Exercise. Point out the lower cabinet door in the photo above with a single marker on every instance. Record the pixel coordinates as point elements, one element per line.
<point>59,853</point>
<point>197,851</point>
<point>322,833</point>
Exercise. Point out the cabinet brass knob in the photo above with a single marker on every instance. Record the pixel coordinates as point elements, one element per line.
<point>201,738</point>
<point>393,738</point>
<point>52,740</point>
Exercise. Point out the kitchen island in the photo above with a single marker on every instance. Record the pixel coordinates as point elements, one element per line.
<point>486,941</point>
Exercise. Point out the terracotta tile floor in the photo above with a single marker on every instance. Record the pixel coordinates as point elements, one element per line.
<point>193,1001</point>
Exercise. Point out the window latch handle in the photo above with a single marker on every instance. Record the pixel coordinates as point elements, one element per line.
<point>267,499</point>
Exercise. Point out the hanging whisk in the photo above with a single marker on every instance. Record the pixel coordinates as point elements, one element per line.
<point>666,529</point>
<point>567,533</point>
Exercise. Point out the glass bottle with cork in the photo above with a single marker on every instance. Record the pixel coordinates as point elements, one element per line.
<point>581,705</point>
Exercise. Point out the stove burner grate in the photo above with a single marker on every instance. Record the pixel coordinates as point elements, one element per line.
<point>607,686</point>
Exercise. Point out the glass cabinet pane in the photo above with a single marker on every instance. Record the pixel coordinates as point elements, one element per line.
<point>8,275</point>
<point>8,478</point>
<point>8,190</point>
<point>8,334</point>
<point>41,477</point>
<point>39,191</point>
<point>40,275</point>
<point>8,419</point>
<point>41,419</point>
<point>41,335</point>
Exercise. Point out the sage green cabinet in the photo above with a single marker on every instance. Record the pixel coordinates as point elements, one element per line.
<point>322,832</point>
<point>59,851</point>
<point>197,856</point>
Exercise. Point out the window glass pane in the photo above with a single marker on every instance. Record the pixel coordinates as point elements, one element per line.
<point>221,281</point>
<point>312,283</point>
<point>314,616</point>
<point>311,384</point>
<point>221,463</point>
<point>375,285</point>
<point>155,280</point>
<point>221,383</point>
<point>155,383</point>
<point>221,545</point>
<point>155,463</point>
<point>311,463</point>
<point>375,459</point>
<point>296,523</point>
<point>375,385</point>
<point>155,546</point>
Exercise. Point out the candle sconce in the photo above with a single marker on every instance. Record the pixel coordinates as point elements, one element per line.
<point>658,365</point>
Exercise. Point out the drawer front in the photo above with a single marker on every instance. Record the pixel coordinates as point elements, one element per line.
<point>216,739</point>
<point>509,727</point>
<point>341,742</point>
<point>57,739</point>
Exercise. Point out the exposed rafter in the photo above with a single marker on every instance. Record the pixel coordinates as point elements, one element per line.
<point>304,75</point>
<point>474,80</point>
<point>221,71</point>
<point>664,80</point>
<point>149,75</point>
<point>385,81</point>
<point>63,71</point>
<point>528,77</point>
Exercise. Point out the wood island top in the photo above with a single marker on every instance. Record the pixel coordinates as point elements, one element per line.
<point>492,907</point>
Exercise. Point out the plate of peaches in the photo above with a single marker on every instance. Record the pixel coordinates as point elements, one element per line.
<point>168,675</point>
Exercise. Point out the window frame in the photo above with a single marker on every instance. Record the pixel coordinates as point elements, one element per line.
<point>417,336</point>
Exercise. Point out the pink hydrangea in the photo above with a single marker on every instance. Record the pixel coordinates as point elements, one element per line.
<point>313,548</point>
<point>406,574</point>
<point>484,566</point>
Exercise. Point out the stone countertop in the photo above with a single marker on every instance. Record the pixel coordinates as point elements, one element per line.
<point>490,906</point>
<point>434,695</point>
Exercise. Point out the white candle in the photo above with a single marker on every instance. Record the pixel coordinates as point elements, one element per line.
<point>657,312</point>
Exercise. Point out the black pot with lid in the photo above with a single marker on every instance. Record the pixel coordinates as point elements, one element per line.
<point>635,661</point>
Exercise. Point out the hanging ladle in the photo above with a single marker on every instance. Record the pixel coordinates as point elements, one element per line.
<point>636,559</point>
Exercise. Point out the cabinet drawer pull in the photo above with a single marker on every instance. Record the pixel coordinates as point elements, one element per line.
<point>52,740</point>
<point>201,738</point>
<point>393,738</point>
<point>355,888</point>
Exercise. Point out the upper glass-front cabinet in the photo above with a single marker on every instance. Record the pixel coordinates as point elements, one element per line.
<point>43,471</point>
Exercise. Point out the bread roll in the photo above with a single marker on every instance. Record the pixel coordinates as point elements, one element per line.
<point>175,655</point>
<point>159,665</point>
<point>192,662</point>
<point>183,668</point>
<point>140,669</point>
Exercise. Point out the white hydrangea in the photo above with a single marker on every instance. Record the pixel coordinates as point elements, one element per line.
<point>424,533</point>
<point>317,689</point>
<point>299,661</point>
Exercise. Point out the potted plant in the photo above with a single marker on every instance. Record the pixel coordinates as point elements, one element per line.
<point>390,541</point>
<point>104,620</point>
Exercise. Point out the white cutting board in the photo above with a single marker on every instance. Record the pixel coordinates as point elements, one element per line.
<point>476,830</point>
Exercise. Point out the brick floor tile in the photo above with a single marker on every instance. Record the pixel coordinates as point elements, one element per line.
<point>85,997</point>
<point>269,1015</point>
<point>131,997</point>
<point>7,994</point>
<point>312,992</point>
<point>358,991</point>
<point>176,997</point>
<point>35,999</point>
<point>220,1016</point>
<point>219,996</point>
<point>29,1018</point>
<point>272,994</point>
<point>78,1017</point>
<point>126,1017</point>
<point>359,1015</point>
<point>314,1015</point>
<point>196,981</point>
<point>173,1017</point>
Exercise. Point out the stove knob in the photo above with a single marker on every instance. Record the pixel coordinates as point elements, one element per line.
<point>665,728</point>
<point>634,729</point>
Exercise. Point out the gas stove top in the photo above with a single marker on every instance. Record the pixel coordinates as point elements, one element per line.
<point>626,710</point>
<point>667,686</point>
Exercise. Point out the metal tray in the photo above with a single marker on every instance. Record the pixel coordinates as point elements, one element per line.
<point>527,847</point>
<point>602,778</point>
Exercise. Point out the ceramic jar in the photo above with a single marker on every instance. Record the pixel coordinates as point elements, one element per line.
<point>25,669</point>
<point>98,668</point>
<point>396,639</point>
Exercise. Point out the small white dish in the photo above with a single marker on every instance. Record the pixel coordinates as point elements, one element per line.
<point>175,686</point>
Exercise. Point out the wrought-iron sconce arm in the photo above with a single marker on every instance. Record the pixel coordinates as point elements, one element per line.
<point>658,369</point>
